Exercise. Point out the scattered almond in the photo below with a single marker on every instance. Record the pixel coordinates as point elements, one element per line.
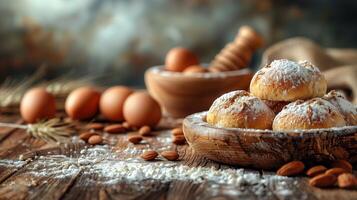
<point>336,171</point>
<point>95,139</point>
<point>347,181</point>
<point>342,164</point>
<point>179,139</point>
<point>135,139</point>
<point>177,131</point>
<point>316,170</point>
<point>291,168</point>
<point>86,135</point>
<point>170,155</point>
<point>145,131</point>
<point>149,155</point>
<point>115,128</point>
<point>323,180</point>
<point>95,126</point>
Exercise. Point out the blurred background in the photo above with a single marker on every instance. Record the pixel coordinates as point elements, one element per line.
<point>115,41</point>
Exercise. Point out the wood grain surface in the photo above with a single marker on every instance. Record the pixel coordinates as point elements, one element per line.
<point>15,183</point>
<point>267,149</point>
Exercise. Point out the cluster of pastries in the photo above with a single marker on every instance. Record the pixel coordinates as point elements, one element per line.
<point>284,95</point>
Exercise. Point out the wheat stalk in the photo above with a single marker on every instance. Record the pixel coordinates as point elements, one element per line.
<point>53,130</point>
<point>62,86</point>
<point>12,91</point>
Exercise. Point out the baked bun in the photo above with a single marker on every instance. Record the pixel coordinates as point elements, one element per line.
<point>312,114</point>
<point>239,109</point>
<point>285,80</point>
<point>276,106</point>
<point>346,108</point>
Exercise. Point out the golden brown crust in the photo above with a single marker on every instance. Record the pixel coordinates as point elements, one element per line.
<point>285,80</point>
<point>346,108</point>
<point>239,109</point>
<point>276,106</point>
<point>312,114</point>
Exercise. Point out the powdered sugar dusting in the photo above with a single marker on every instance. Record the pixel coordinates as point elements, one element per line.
<point>318,108</point>
<point>338,100</point>
<point>235,101</point>
<point>288,71</point>
<point>345,106</point>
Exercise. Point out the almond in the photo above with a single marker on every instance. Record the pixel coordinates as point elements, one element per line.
<point>179,139</point>
<point>323,180</point>
<point>149,155</point>
<point>336,171</point>
<point>170,155</point>
<point>342,164</point>
<point>95,139</point>
<point>177,131</point>
<point>86,135</point>
<point>95,126</point>
<point>347,181</point>
<point>115,128</point>
<point>291,168</point>
<point>145,131</point>
<point>316,170</point>
<point>135,139</point>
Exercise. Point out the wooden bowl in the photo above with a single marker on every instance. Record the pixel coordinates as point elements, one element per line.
<point>267,149</point>
<point>183,94</point>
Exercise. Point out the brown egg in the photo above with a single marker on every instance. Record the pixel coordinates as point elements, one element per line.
<point>82,103</point>
<point>195,69</point>
<point>112,101</point>
<point>37,104</point>
<point>178,59</point>
<point>141,109</point>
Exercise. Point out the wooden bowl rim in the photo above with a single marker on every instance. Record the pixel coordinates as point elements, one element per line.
<point>159,70</point>
<point>197,121</point>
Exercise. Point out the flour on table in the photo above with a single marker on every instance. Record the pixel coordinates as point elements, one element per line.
<point>103,163</point>
<point>12,163</point>
<point>106,165</point>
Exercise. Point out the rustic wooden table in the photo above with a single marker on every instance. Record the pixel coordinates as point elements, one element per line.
<point>29,170</point>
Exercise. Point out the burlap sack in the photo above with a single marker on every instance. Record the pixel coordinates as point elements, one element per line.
<point>338,65</point>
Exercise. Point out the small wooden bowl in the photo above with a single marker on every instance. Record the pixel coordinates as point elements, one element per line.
<point>183,94</point>
<point>267,149</point>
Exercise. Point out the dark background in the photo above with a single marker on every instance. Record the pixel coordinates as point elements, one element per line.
<point>115,41</point>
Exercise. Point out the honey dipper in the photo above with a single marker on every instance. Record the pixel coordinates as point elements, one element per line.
<point>237,54</point>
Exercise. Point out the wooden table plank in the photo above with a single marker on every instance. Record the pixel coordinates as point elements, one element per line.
<point>8,167</point>
<point>18,180</point>
<point>16,143</point>
<point>35,187</point>
<point>122,190</point>
<point>5,131</point>
<point>287,187</point>
<point>333,193</point>
<point>46,187</point>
